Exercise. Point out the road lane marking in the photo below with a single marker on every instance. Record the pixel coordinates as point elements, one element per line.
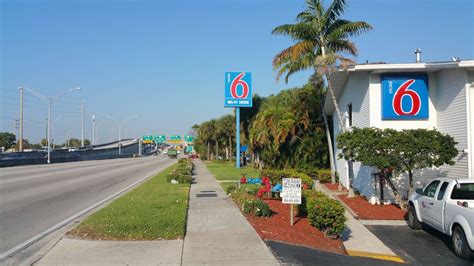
<point>48,231</point>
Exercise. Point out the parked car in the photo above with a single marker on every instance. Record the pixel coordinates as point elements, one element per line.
<point>447,205</point>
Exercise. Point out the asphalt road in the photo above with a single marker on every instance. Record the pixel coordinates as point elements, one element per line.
<point>296,255</point>
<point>34,198</point>
<point>423,247</point>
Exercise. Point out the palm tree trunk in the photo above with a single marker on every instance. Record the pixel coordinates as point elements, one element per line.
<point>330,149</point>
<point>217,149</point>
<point>208,151</point>
<point>333,97</point>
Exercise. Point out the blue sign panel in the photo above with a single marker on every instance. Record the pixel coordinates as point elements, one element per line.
<point>238,89</point>
<point>405,97</point>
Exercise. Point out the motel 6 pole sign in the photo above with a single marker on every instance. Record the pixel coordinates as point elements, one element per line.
<point>238,93</point>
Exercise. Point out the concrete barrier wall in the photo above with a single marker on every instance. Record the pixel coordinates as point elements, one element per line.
<point>65,156</point>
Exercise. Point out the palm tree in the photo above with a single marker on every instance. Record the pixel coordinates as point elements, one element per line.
<point>321,36</point>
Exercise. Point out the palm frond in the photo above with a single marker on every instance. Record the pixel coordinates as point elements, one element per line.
<point>343,46</point>
<point>334,11</point>
<point>349,29</point>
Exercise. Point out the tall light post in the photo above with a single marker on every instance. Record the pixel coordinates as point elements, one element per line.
<point>82,123</point>
<point>50,101</point>
<point>93,129</point>
<point>120,128</point>
<point>21,119</point>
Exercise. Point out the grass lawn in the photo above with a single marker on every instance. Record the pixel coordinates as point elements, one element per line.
<point>154,210</point>
<point>227,171</point>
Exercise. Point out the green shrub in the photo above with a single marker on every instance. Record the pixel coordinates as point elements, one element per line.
<point>277,175</point>
<point>256,207</point>
<point>323,175</point>
<point>240,196</point>
<point>325,213</point>
<point>183,172</point>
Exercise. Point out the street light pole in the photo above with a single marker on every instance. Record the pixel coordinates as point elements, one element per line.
<point>120,122</point>
<point>82,123</point>
<point>93,129</point>
<point>21,120</point>
<point>50,101</point>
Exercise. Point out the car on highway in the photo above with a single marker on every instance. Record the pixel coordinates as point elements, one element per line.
<point>446,205</point>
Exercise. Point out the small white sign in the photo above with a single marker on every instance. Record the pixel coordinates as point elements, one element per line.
<point>291,192</point>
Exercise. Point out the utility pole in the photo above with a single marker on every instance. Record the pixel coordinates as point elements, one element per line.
<point>93,129</point>
<point>82,123</point>
<point>46,128</point>
<point>68,136</point>
<point>50,102</point>
<point>21,120</point>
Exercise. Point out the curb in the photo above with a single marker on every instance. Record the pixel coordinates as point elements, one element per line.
<point>384,222</point>
<point>356,253</point>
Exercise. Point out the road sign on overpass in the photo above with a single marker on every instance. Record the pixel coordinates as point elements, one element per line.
<point>175,139</point>
<point>160,138</point>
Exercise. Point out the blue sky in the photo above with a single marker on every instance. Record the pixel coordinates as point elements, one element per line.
<point>165,60</point>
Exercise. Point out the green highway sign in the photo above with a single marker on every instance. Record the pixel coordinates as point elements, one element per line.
<point>175,139</point>
<point>189,138</point>
<point>147,137</point>
<point>159,138</point>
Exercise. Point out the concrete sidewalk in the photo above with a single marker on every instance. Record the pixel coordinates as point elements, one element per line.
<point>360,241</point>
<point>217,232</point>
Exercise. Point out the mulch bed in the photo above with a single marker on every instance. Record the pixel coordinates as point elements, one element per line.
<point>277,227</point>
<point>367,211</point>
<point>334,187</point>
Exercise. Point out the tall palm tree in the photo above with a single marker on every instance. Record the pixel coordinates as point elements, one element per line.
<point>322,39</point>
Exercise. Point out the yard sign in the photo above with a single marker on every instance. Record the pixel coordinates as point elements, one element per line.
<point>291,192</point>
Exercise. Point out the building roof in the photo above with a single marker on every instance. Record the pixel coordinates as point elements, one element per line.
<point>339,77</point>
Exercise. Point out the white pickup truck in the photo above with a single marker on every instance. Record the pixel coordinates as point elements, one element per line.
<point>448,206</point>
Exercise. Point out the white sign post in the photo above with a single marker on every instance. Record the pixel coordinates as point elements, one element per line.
<point>291,193</point>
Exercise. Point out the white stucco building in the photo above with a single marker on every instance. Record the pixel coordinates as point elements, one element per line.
<point>441,97</point>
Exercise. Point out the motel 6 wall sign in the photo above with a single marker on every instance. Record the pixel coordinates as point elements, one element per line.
<point>238,89</point>
<point>405,97</point>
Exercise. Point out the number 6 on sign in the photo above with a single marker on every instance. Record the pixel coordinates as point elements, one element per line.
<point>405,97</point>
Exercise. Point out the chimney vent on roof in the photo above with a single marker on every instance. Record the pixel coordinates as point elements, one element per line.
<point>418,55</point>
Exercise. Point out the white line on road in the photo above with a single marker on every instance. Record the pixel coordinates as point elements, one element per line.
<point>46,232</point>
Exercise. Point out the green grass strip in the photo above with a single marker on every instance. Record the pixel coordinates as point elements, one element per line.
<point>228,171</point>
<point>154,210</point>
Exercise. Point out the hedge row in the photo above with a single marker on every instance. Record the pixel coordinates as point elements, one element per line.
<point>183,172</point>
<point>323,175</point>
<point>276,176</point>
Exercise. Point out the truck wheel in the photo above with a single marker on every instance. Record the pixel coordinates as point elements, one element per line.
<point>413,222</point>
<point>460,245</point>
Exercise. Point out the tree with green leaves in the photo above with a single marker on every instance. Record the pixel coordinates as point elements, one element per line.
<point>321,38</point>
<point>395,152</point>
<point>424,148</point>
<point>7,140</point>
